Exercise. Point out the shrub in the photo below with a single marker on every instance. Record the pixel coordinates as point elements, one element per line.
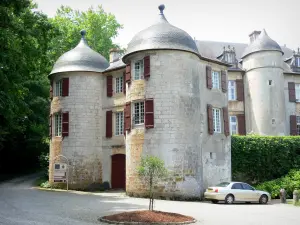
<point>290,182</point>
<point>256,159</point>
<point>44,163</point>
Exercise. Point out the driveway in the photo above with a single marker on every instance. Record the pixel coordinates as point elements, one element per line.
<point>22,205</point>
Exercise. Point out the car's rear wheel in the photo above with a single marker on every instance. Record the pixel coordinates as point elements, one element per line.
<point>229,199</point>
<point>214,201</point>
<point>263,199</point>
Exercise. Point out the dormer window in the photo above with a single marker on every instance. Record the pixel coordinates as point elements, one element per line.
<point>228,55</point>
<point>297,61</point>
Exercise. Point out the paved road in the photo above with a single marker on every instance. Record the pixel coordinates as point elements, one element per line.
<point>22,205</point>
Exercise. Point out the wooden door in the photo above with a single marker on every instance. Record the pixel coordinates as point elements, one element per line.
<point>118,171</point>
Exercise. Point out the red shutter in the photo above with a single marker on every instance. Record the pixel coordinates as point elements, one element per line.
<point>210,122</point>
<point>50,126</point>
<point>51,89</point>
<point>128,73</point>
<point>124,83</point>
<point>65,124</point>
<point>127,116</point>
<point>241,124</point>
<point>65,86</point>
<point>224,84</point>
<point>239,90</point>
<point>292,92</point>
<point>149,113</point>
<point>147,66</point>
<point>109,124</point>
<point>208,77</point>
<point>293,125</point>
<point>226,121</point>
<point>109,86</point>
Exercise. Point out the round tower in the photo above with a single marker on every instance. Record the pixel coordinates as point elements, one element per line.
<point>264,86</point>
<point>162,113</point>
<point>76,114</point>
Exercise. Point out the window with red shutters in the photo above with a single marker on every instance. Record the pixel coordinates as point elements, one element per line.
<point>224,85</point>
<point>241,124</point>
<point>109,86</point>
<point>65,86</point>
<point>50,126</point>
<point>51,89</point>
<point>109,124</point>
<point>65,124</point>
<point>127,121</point>
<point>226,121</point>
<point>128,73</point>
<point>208,77</point>
<point>149,113</point>
<point>210,122</point>
<point>292,92</point>
<point>293,125</point>
<point>124,83</point>
<point>147,66</point>
<point>239,90</point>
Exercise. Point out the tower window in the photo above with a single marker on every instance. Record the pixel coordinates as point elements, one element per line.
<point>138,113</point>
<point>270,82</point>
<point>58,124</point>
<point>139,70</point>
<point>58,88</point>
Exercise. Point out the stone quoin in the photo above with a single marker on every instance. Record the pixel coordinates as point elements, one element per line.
<point>172,97</point>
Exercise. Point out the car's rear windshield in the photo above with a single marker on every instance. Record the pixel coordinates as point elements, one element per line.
<point>223,184</point>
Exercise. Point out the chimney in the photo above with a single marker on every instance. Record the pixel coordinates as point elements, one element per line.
<point>254,35</point>
<point>114,55</point>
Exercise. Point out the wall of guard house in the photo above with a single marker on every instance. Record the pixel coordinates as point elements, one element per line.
<point>264,93</point>
<point>81,130</point>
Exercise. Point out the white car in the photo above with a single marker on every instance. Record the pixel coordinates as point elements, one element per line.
<point>231,192</point>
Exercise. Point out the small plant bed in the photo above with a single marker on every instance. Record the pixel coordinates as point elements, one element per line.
<point>147,217</point>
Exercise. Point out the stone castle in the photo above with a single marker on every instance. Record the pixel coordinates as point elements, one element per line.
<point>169,96</point>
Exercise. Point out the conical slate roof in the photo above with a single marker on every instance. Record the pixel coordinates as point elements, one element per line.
<point>262,43</point>
<point>80,58</point>
<point>161,35</point>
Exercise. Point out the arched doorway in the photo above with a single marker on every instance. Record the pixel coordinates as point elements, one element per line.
<point>118,171</point>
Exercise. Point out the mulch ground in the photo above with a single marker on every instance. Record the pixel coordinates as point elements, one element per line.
<point>148,216</point>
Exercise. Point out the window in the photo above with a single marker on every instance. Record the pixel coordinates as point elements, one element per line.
<point>119,84</point>
<point>298,125</point>
<point>139,70</point>
<point>231,90</point>
<point>247,187</point>
<point>237,186</point>
<point>217,120</point>
<point>119,123</point>
<point>233,125</point>
<point>138,113</point>
<point>223,184</point>
<point>216,80</point>
<point>297,89</point>
<point>57,124</point>
<point>58,88</point>
<point>297,61</point>
<point>229,57</point>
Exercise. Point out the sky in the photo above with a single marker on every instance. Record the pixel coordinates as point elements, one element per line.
<point>212,20</point>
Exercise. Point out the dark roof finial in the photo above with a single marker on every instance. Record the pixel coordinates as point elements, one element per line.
<point>83,33</point>
<point>161,8</point>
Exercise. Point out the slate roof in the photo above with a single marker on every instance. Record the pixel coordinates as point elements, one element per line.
<point>80,58</point>
<point>161,35</point>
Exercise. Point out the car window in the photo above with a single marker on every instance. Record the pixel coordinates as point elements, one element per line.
<point>223,184</point>
<point>247,187</point>
<point>237,186</point>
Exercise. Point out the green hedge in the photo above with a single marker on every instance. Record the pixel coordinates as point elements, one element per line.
<point>290,182</point>
<point>256,159</point>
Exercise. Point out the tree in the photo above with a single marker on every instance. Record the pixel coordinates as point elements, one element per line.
<point>101,28</point>
<point>151,171</point>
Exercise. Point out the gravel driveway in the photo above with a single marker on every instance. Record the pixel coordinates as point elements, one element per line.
<point>22,205</point>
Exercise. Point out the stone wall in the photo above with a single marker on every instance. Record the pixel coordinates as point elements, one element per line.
<point>177,85</point>
<point>264,94</point>
<point>83,146</point>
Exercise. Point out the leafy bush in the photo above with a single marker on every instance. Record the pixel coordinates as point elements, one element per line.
<point>44,163</point>
<point>256,159</point>
<point>290,182</point>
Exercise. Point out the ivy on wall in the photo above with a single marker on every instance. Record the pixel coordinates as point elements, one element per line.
<point>256,159</point>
